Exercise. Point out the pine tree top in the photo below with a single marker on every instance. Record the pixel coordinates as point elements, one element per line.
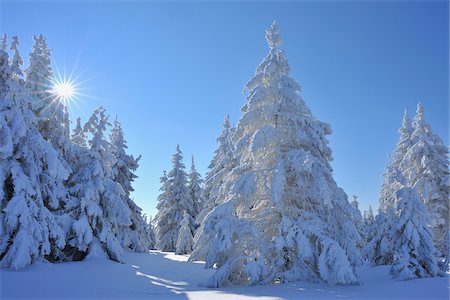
<point>4,42</point>
<point>273,36</point>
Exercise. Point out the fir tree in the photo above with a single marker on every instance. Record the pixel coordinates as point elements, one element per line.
<point>220,166</point>
<point>150,232</point>
<point>415,254</point>
<point>173,202</point>
<point>426,167</point>
<point>379,249</point>
<point>133,236</point>
<point>195,188</point>
<point>99,205</point>
<point>29,230</point>
<point>281,215</point>
<point>185,239</point>
<point>78,135</point>
<point>4,43</point>
<point>390,185</point>
<point>17,61</point>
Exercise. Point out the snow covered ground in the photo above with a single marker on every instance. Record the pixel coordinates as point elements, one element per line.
<point>161,275</point>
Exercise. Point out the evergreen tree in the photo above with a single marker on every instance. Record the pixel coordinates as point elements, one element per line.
<point>379,249</point>
<point>53,119</point>
<point>17,61</point>
<point>4,43</point>
<point>185,239</point>
<point>415,254</point>
<point>426,167</point>
<point>195,188</point>
<point>281,215</point>
<point>220,166</point>
<point>133,236</point>
<point>29,230</point>
<point>78,135</point>
<point>368,228</point>
<point>150,232</point>
<point>99,205</point>
<point>390,185</point>
<point>173,202</point>
<point>358,219</point>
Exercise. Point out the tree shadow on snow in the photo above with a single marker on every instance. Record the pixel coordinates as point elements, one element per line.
<point>168,275</point>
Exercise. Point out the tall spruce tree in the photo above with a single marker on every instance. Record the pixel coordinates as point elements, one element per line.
<point>195,182</point>
<point>281,215</point>
<point>30,169</point>
<point>389,185</point>
<point>426,167</point>
<point>98,198</point>
<point>173,202</point>
<point>221,164</point>
<point>135,235</point>
<point>415,255</point>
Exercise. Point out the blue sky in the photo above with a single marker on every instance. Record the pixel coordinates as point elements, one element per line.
<point>171,70</point>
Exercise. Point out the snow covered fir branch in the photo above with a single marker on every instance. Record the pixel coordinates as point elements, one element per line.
<point>267,211</point>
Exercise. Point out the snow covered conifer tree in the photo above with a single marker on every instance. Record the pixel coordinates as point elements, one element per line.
<point>368,215</point>
<point>29,231</point>
<point>426,167</point>
<point>78,135</point>
<point>150,232</point>
<point>99,205</point>
<point>369,231</point>
<point>379,249</point>
<point>54,118</point>
<point>185,239</point>
<point>389,186</point>
<point>220,166</point>
<point>195,188</point>
<point>173,202</point>
<point>17,61</point>
<point>133,236</point>
<point>358,218</point>
<point>39,75</point>
<point>414,255</point>
<point>281,215</point>
<point>4,43</point>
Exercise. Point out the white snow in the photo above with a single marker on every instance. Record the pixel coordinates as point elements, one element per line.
<point>164,275</point>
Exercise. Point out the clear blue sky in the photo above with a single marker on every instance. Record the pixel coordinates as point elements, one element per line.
<point>171,71</point>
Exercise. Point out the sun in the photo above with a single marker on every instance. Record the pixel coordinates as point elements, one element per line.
<point>64,90</point>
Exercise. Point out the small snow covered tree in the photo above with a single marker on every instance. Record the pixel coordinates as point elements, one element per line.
<point>368,227</point>
<point>195,188</point>
<point>150,232</point>
<point>280,215</point>
<point>185,239</point>
<point>4,43</point>
<point>133,236</point>
<point>173,202</point>
<point>415,255</point>
<point>379,248</point>
<point>358,219</point>
<point>29,231</point>
<point>426,167</point>
<point>17,61</point>
<point>98,198</point>
<point>78,135</point>
<point>220,166</point>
